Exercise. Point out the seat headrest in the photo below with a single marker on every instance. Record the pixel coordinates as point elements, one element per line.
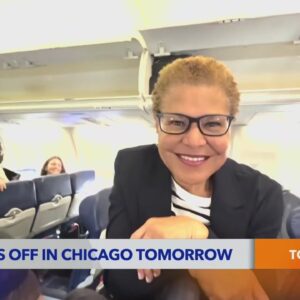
<point>290,202</point>
<point>93,212</point>
<point>293,223</point>
<point>47,187</point>
<point>18,194</point>
<point>79,180</point>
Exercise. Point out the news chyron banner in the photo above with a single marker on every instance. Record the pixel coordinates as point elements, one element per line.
<point>153,254</point>
<point>126,254</point>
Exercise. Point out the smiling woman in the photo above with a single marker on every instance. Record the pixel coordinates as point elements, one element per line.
<point>53,166</point>
<point>186,187</point>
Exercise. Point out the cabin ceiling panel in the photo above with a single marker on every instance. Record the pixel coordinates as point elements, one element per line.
<point>176,12</point>
<point>71,119</point>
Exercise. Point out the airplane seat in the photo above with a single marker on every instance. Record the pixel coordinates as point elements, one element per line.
<point>93,215</point>
<point>293,223</point>
<point>53,193</point>
<point>93,212</point>
<point>82,186</point>
<point>17,209</point>
<point>290,202</point>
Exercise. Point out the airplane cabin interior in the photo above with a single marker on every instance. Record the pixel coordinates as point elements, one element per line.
<point>85,100</point>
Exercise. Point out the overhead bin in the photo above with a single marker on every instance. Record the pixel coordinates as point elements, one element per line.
<point>99,76</point>
<point>222,34</point>
<point>120,75</point>
<point>263,54</point>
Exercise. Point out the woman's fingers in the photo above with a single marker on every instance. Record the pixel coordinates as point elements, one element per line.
<point>148,274</point>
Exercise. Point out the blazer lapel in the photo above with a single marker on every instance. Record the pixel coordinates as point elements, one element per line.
<point>228,199</point>
<point>155,194</point>
<point>228,202</point>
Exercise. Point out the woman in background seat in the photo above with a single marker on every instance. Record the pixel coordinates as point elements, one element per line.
<point>53,166</point>
<point>5,174</point>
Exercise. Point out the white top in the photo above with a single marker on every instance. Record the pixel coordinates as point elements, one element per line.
<point>187,204</point>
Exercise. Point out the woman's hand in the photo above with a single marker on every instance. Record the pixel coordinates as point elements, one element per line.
<point>179,227</point>
<point>2,185</point>
<point>148,274</point>
<point>174,227</point>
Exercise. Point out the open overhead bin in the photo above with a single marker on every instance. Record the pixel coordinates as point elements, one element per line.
<point>99,76</point>
<point>263,53</point>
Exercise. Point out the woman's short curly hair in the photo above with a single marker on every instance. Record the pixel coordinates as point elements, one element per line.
<point>196,70</point>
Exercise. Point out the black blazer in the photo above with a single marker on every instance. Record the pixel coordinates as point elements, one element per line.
<point>245,204</point>
<point>11,175</point>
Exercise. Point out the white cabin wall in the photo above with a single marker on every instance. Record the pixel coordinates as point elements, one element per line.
<point>83,147</point>
<point>272,147</point>
<point>29,146</point>
<point>97,146</point>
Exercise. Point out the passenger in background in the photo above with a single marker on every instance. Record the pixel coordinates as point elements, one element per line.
<point>3,178</point>
<point>53,166</point>
<point>5,174</point>
<point>185,187</point>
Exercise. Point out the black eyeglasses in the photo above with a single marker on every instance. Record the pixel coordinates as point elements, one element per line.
<point>209,125</point>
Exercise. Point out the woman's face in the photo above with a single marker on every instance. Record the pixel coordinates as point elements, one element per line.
<point>192,157</point>
<point>54,167</point>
